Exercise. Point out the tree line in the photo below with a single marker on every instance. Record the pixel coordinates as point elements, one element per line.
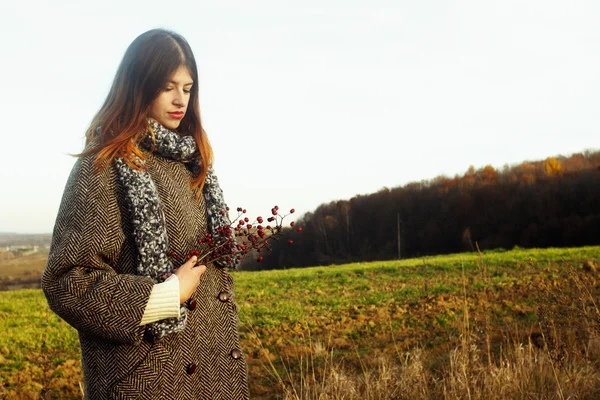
<point>550,203</point>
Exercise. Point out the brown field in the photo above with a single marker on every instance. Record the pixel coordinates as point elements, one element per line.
<point>21,272</point>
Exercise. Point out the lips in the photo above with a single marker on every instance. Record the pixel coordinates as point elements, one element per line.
<point>176,114</point>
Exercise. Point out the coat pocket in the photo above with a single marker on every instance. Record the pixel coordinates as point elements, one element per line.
<point>147,379</point>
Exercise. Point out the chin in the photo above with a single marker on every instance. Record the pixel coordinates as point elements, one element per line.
<point>170,124</point>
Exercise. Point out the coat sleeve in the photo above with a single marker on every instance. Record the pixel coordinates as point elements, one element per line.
<point>80,281</point>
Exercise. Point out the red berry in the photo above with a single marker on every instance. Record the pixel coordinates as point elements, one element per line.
<point>246,219</point>
<point>292,211</point>
<point>277,207</point>
<point>227,208</point>
<point>290,241</point>
<point>292,223</point>
<point>222,212</point>
<point>299,229</point>
<point>259,259</point>
<point>244,211</point>
<point>249,226</point>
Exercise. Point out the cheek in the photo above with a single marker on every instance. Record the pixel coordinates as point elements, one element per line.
<point>158,105</point>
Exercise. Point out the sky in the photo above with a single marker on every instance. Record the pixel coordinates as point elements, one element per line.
<point>307,102</point>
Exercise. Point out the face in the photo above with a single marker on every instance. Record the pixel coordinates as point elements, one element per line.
<point>171,104</point>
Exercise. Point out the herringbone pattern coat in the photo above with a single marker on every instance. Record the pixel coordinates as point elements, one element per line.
<point>90,282</point>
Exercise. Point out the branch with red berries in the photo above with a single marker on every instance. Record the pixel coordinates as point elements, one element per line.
<point>240,237</point>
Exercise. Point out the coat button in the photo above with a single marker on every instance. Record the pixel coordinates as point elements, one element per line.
<point>193,304</point>
<point>191,368</point>
<point>236,353</point>
<point>223,296</point>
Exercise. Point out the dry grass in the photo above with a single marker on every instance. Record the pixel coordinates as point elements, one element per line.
<point>524,372</point>
<point>551,362</point>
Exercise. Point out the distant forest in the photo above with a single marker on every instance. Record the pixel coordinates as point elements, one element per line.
<point>549,203</point>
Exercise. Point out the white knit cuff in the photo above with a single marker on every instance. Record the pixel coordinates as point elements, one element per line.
<point>163,302</point>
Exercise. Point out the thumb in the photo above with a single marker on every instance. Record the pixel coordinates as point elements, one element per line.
<point>191,262</point>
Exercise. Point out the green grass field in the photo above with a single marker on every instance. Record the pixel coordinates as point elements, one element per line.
<point>352,311</point>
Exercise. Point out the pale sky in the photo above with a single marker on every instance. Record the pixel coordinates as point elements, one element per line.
<point>308,101</point>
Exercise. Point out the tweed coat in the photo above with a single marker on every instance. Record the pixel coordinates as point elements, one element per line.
<point>90,282</point>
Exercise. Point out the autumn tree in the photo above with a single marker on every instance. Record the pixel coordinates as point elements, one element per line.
<point>553,167</point>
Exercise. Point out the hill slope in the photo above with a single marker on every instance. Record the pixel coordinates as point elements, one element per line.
<point>357,313</point>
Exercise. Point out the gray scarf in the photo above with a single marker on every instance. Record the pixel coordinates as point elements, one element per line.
<point>148,219</point>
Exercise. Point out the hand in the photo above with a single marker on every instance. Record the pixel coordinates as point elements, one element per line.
<point>189,277</point>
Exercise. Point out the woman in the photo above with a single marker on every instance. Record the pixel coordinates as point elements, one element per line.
<point>138,199</point>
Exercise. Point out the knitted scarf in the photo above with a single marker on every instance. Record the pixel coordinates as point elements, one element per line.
<point>148,218</point>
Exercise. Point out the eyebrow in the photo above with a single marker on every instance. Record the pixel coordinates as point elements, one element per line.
<point>175,83</point>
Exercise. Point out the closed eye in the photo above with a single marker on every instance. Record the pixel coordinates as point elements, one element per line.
<point>184,90</point>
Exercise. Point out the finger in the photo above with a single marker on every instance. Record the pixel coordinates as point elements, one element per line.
<point>200,269</point>
<point>191,262</point>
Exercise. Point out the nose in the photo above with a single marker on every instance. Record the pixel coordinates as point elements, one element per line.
<point>179,99</point>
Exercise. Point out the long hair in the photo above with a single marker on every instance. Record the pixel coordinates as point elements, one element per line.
<point>147,65</point>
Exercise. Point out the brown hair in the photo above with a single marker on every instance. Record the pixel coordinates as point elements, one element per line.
<point>147,65</point>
